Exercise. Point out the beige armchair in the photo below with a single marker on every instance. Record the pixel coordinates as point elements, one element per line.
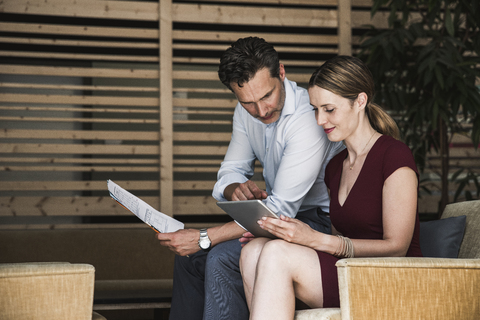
<point>41,291</point>
<point>412,288</point>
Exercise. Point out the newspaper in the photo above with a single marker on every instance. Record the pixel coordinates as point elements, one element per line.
<point>158,221</point>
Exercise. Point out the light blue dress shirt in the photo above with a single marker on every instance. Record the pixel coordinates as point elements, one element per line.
<point>293,152</point>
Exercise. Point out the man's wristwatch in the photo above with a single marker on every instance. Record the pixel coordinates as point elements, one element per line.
<point>204,242</point>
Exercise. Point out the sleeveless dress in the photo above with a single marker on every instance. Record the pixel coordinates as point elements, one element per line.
<point>360,217</point>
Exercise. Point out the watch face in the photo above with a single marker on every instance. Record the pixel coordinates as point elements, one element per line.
<point>204,244</point>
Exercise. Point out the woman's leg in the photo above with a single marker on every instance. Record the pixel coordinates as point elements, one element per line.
<point>285,271</point>
<point>248,265</point>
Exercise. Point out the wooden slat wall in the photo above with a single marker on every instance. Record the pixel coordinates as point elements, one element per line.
<point>92,90</point>
<point>79,105</point>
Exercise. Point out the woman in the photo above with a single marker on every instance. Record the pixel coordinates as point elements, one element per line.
<point>373,187</point>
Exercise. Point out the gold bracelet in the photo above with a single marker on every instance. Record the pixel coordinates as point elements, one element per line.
<point>345,248</point>
<point>340,248</point>
<point>350,252</point>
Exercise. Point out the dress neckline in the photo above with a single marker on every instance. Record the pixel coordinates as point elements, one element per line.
<point>359,173</point>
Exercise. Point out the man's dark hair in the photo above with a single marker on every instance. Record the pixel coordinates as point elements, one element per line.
<point>244,58</point>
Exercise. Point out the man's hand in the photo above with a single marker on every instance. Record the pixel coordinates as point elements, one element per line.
<point>183,242</point>
<point>246,238</point>
<point>244,191</point>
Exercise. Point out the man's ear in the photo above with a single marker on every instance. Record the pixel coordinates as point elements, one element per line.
<point>362,100</point>
<point>282,72</point>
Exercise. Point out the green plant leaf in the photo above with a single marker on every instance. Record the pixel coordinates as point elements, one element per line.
<point>456,174</point>
<point>448,22</point>
<point>439,77</point>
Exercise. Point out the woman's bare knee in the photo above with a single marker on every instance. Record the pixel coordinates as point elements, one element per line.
<point>251,252</point>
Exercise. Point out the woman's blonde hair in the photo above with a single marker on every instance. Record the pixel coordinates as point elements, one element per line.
<point>347,77</point>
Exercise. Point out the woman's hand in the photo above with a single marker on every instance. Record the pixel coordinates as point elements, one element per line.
<point>246,238</point>
<point>289,229</point>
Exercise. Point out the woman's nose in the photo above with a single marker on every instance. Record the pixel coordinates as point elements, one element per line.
<point>321,119</point>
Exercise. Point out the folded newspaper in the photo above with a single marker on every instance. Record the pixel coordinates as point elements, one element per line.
<point>158,221</point>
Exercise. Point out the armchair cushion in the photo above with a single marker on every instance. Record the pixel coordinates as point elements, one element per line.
<point>442,238</point>
<point>470,248</point>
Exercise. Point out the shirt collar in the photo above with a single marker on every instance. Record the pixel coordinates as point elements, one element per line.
<point>290,106</point>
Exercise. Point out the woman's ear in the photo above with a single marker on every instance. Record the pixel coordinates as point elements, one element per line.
<point>362,100</point>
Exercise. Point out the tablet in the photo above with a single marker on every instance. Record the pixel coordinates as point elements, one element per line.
<point>247,213</point>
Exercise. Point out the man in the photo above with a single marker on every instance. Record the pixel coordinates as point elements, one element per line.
<point>274,123</point>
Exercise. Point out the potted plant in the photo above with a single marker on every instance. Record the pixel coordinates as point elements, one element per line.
<point>426,65</point>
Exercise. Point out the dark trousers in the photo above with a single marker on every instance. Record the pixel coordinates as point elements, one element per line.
<point>209,285</point>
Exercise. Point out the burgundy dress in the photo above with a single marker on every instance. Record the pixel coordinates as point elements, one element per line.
<point>360,217</point>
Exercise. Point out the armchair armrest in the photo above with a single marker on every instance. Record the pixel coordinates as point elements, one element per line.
<point>54,291</point>
<point>409,288</point>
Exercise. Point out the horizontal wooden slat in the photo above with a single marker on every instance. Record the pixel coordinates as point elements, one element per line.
<point>78,134</point>
<point>202,136</point>
<point>207,103</point>
<point>281,49</point>
<point>214,61</point>
<point>116,121</point>
<point>252,15</point>
<point>201,90</point>
<point>74,185</point>
<point>82,169</point>
<point>79,72</point>
<point>45,160</point>
<point>285,2</point>
<point>81,120</point>
<point>107,149</point>
<point>112,100</point>
<point>72,99</point>
<point>80,43</point>
<point>87,225</point>
<point>43,28</point>
<point>111,135</point>
<point>62,206</point>
<point>131,10</point>
<point>204,112</point>
<point>97,206</point>
<point>98,185</point>
<point>356,3</point>
<point>196,205</point>
<point>195,75</point>
<point>79,109</point>
<point>130,169</point>
<point>77,56</point>
<point>77,87</point>
<point>229,37</point>
<point>188,163</point>
<point>77,149</point>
